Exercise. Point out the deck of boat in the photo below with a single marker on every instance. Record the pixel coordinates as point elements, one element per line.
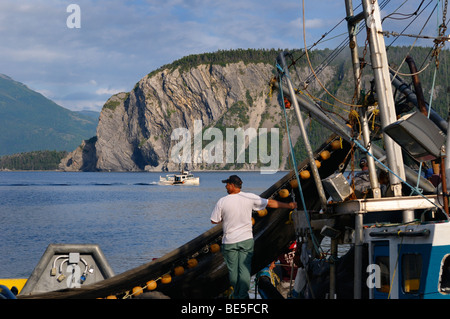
<point>209,279</point>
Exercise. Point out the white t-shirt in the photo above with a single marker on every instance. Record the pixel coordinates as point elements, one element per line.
<point>235,213</point>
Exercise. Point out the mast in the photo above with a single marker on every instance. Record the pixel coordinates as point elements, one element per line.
<point>363,111</point>
<point>384,91</point>
<point>314,169</point>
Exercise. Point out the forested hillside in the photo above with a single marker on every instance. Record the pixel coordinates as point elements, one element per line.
<point>38,161</point>
<point>31,122</point>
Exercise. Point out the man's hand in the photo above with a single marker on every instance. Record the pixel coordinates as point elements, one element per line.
<point>293,205</point>
<point>276,204</point>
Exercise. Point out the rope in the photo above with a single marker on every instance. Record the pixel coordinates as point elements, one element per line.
<point>312,69</point>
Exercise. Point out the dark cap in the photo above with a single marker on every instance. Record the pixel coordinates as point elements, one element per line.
<point>363,162</point>
<point>233,179</point>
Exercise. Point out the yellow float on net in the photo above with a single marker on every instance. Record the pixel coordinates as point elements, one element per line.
<point>214,248</point>
<point>325,155</point>
<point>305,174</point>
<point>151,285</point>
<point>318,163</point>
<point>166,279</point>
<point>283,193</point>
<point>335,145</point>
<point>191,263</point>
<point>137,291</point>
<point>294,183</point>
<point>262,213</point>
<point>178,271</point>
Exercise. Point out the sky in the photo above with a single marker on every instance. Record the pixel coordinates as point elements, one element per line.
<point>79,57</point>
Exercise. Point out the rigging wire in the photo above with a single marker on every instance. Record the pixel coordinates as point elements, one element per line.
<point>404,16</point>
<point>343,45</point>
<point>412,46</point>
<point>312,69</point>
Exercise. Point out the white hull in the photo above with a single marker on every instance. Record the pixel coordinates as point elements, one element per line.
<point>185,178</point>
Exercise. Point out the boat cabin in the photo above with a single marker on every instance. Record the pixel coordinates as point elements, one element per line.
<point>408,254</point>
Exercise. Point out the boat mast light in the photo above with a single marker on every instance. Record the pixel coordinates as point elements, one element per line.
<point>418,136</point>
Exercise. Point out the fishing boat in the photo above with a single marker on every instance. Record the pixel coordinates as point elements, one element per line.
<point>398,243</point>
<point>197,270</point>
<point>184,178</point>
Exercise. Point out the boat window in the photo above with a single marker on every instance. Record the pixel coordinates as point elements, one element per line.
<point>411,270</point>
<point>444,280</point>
<point>383,262</point>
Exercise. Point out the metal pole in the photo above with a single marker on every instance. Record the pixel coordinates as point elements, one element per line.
<point>351,22</point>
<point>384,90</point>
<point>374,184</point>
<point>444,180</point>
<point>353,46</point>
<point>334,249</point>
<point>359,237</point>
<point>315,171</point>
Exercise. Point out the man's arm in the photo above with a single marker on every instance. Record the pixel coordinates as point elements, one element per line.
<point>276,204</point>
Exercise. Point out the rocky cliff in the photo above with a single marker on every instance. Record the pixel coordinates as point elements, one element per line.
<point>183,114</point>
<point>136,129</point>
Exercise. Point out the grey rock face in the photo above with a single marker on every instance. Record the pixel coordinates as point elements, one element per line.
<point>134,129</point>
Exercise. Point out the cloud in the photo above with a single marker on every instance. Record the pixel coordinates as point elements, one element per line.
<point>108,91</point>
<point>121,41</point>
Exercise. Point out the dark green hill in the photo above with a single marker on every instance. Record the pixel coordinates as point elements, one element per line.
<point>36,160</point>
<point>31,122</point>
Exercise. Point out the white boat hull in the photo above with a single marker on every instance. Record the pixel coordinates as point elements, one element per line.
<point>179,179</point>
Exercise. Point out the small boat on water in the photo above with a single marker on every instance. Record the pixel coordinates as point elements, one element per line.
<point>197,270</point>
<point>184,178</point>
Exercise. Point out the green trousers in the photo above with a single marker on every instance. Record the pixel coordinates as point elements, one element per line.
<point>238,258</point>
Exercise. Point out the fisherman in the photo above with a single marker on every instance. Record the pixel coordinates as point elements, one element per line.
<point>361,181</point>
<point>383,180</point>
<point>234,211</point>
<point>432,174</point>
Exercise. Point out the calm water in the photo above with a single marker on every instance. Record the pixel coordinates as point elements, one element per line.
<point>130,216</point>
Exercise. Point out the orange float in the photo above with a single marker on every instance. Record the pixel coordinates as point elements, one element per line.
<point>305,174</point>
<point>191,263</point>
<point>335,145</point>
<point>325,155</point>
<point>137,291</point>
<point>262,213</point>
<point>178,271</point>
<point>283,193</point>
<point>214,248</point>
<point>151,285</point>
<point>166,279</point>
<point>294,183</point>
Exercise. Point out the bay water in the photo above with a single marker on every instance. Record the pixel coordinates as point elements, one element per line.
<point>129,215</point>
